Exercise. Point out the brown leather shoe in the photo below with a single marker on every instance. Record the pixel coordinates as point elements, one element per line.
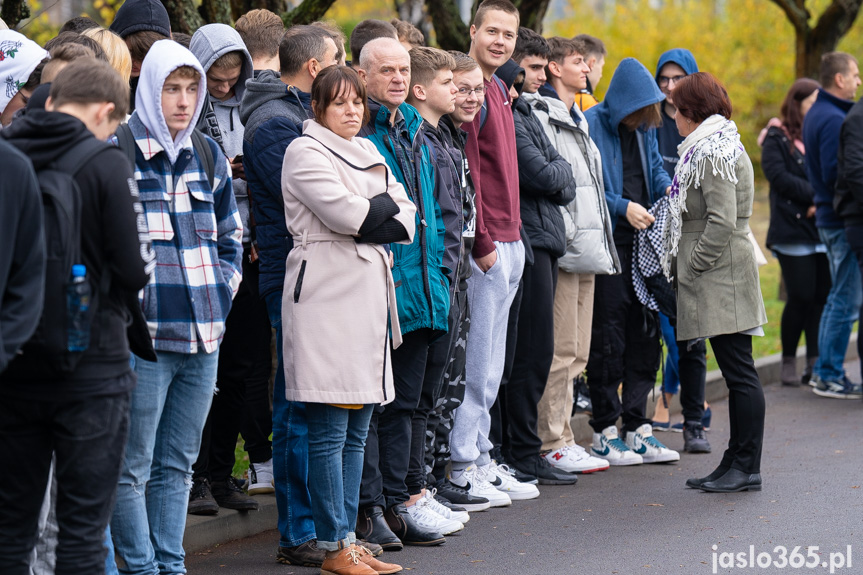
<point>367,557</point>
<point>347,562</point>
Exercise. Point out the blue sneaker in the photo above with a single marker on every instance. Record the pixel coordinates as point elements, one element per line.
<point>842,389</point>
<point>661,425</point>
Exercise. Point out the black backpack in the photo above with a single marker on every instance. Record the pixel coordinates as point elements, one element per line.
<point>61,210</point>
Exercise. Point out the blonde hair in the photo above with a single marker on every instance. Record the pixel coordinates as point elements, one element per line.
<point>115,49</point>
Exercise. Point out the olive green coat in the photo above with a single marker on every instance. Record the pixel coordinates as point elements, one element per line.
<point>718,291</point>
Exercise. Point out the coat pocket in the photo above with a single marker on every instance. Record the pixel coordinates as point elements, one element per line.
<point>203,210</point>
<point>156,203</point>
<point>298,287</point>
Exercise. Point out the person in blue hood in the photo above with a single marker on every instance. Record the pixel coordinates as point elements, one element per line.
<point>673,66</point>
<point>689,368</point>
<point>622,126</point>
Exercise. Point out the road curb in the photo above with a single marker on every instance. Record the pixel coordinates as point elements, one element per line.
<point>207,532</point>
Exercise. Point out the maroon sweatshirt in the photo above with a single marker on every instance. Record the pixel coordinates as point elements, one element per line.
<point>498,214</point>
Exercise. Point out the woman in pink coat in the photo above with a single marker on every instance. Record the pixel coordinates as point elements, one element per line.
<point>342,206</point>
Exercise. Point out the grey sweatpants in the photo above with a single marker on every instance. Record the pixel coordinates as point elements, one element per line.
<point>490,295</point>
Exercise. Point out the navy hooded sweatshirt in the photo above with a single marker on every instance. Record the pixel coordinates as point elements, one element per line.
<point>667,135</point>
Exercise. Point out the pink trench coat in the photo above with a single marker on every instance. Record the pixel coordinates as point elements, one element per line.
<point>338,293</point>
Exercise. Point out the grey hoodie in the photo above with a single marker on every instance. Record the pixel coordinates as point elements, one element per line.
<point>208,44</point>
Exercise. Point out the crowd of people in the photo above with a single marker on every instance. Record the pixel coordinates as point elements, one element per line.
<point>445,246</point>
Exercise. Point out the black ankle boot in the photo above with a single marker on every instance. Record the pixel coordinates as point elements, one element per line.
<point>697,483</point>
<point>733,481</point>
<point>372,527</point>
<point>407,529</point>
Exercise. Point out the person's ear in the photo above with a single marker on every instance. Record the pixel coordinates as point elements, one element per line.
<point>554,69</point>
<point>49,104</point>
<point>472,32</point>
<point>419,92</point>
<point>362,74</point>
<point>104,111</point>
<point>313,67</point>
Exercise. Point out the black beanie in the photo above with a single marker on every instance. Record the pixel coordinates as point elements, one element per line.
<point>138,15</point>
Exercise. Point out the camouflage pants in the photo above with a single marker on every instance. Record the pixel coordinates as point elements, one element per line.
<point>440,420</point>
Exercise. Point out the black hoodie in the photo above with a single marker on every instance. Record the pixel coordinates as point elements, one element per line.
<point>112,238</point>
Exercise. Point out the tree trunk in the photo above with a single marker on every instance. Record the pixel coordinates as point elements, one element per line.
<point>532,13</point>
<point>240,7</point>
<point>307,12</point>
<point>184,15</point>
<point>811,43</point>
<point>216,11</point>
<point>452,33</point>
<point>13,11</point>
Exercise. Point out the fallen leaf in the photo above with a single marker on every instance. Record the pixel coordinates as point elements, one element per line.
<point>478,561</point>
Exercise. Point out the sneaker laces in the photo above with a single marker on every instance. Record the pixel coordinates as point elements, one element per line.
<point>199,489</point>
<point>652,442</point>
<point>617,444</point>
<point>502,467</point>
<point>697,432</point>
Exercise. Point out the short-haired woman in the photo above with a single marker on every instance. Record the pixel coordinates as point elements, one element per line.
<point>718,292</point>
<point>792,234</point>
<point>342,207</point>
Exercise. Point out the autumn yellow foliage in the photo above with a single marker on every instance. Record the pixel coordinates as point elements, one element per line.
<point>748,44</point>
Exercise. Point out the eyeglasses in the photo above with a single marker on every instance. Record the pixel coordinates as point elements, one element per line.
<point>664,80</point>
<point>464,92</point>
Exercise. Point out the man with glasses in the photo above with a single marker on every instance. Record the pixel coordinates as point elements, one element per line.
<point>672,67</point>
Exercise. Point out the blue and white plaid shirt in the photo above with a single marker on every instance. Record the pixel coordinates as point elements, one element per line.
<point>196,234</point>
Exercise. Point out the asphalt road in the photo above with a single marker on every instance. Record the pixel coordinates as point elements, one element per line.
<point>643,520</point>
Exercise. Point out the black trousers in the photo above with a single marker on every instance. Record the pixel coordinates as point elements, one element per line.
<point>242,403</point>
<point>388,445</point>
<point>625,347</point>
<point>692,370</point>
<point>88,437</point>
<point>807,283</point>
<point>439,353</point>
<point>534,352</point>
<point>499,431</point>
<point>745,401</point>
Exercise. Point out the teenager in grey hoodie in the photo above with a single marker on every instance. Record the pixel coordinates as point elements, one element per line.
<point>242,405</point>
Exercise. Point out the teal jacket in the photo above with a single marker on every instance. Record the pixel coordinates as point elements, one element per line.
<point>422,286</point>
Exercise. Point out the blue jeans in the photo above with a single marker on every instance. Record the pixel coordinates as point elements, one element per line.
<point>671,375</point>
<point>842,308</point>
<point>169,408</point>
<point>337,439</point>
<point>290,450</point>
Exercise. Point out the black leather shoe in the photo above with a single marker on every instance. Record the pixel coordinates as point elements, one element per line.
<point>696,483</point>
<point>407,529</point>
<point>229,494</point>
<point>694,438</point>
<point>306,554</point>
<point>540,468</point>
<point>372,527</point>
<point>733,481</point>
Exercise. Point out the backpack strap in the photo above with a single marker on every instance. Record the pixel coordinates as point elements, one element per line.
<point>483,111</point>
<point>78,155</point>
<point>126,142</point>
<point>205,155</point>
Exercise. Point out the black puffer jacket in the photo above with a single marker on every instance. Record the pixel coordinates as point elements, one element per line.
<point>545,183</point>
<point>791,193</point>
<point>848,201</point>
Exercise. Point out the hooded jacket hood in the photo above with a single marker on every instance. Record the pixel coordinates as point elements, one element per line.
<point>163,58</point>
<point>508,72</point>
<point>680,56</point>
<point>45,136</point>
<point>139,15</point>
<point>631,88</point>
<point>213,41</point>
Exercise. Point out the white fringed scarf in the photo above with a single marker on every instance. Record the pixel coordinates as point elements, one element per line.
<point>715,140</point>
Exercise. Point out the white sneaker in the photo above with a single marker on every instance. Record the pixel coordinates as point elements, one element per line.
<point>426,518</point>
<point>443,510</point>
<point>607,445</point>
<point>261,478</point>
<point>501,478</point>
<point>476,485</point>
<point>642,442</point>
<point>575,459</point>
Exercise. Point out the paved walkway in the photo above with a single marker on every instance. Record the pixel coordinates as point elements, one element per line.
<point>643,520</point>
